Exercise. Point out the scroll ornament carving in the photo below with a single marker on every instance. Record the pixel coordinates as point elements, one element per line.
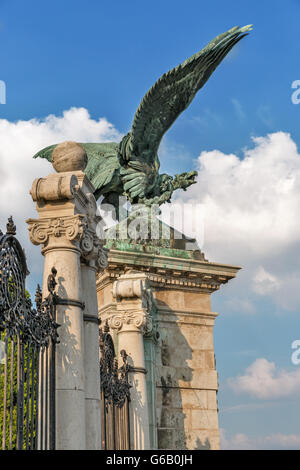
<point>102,259</point>
<point>139,320</point>
<point>74,228</point>
<point>92,250</point>
<point>71,227</point>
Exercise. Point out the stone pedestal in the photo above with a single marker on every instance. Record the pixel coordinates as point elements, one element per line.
<point>66,229</point>
<point>180,358</point>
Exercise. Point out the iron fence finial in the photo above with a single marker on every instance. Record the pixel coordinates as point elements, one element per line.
<point>10,227</point>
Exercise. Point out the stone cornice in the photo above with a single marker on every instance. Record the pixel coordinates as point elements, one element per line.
<point>171,272</point>
<point>181,264</point>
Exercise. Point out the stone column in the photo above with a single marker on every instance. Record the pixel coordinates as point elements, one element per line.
<point>132,320</point>
<point>66,230</point>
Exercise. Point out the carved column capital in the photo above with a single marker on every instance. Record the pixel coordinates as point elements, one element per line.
<point>70,227</point>
<point>130,320</point>
<point>81,228</point>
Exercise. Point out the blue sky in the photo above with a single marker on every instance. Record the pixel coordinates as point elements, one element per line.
<point>104,56</point>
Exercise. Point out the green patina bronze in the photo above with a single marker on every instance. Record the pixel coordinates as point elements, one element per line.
<point>131,167</point>
<point>143,232</point>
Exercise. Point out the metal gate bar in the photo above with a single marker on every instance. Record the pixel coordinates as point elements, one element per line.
<point>115,395</point>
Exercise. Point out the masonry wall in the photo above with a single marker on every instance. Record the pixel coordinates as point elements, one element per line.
<point>186,378</point>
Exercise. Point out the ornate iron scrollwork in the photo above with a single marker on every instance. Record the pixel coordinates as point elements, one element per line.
<point>28,337</point>
<point>17,315</point>
<point>114,380</point>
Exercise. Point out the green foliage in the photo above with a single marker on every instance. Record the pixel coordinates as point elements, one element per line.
<point>8,395</point>
<point>9,389</point>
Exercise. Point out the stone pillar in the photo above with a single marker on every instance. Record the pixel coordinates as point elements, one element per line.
<point>66,230</point>
<point>151,341</point>
<point>132,319</point>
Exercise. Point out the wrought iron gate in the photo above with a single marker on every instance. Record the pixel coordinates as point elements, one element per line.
<point>27,353</point>
<point>115,395</point>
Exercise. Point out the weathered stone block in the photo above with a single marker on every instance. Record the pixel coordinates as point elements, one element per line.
<point>211,400</point>
<point>165,438</point>
<point>198,360</point>
<point>209,360</point>
<point>178,300</point>
<point>204,419</point>
<point>203,440</point>
<point>198,378</point>
<point>200,338</point>
<point>194,399</point>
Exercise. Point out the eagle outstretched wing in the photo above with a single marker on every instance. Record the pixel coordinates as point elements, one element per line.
<point>164,102</point>
<point>132,167</point>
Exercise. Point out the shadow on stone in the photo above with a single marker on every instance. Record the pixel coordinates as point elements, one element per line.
<point>69,352</point>
<point>200,446</point>
<point>173,374</point>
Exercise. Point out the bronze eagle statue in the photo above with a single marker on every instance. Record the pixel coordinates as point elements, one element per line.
<point>131,167</point>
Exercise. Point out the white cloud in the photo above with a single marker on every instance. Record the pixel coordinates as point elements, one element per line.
<point>263,380</point>
<point>264,282</point>
<point>247,206</point>
<point>250,208</point>
<point>250,202</point>
<point>19,142</point>
<point>276,441</point>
